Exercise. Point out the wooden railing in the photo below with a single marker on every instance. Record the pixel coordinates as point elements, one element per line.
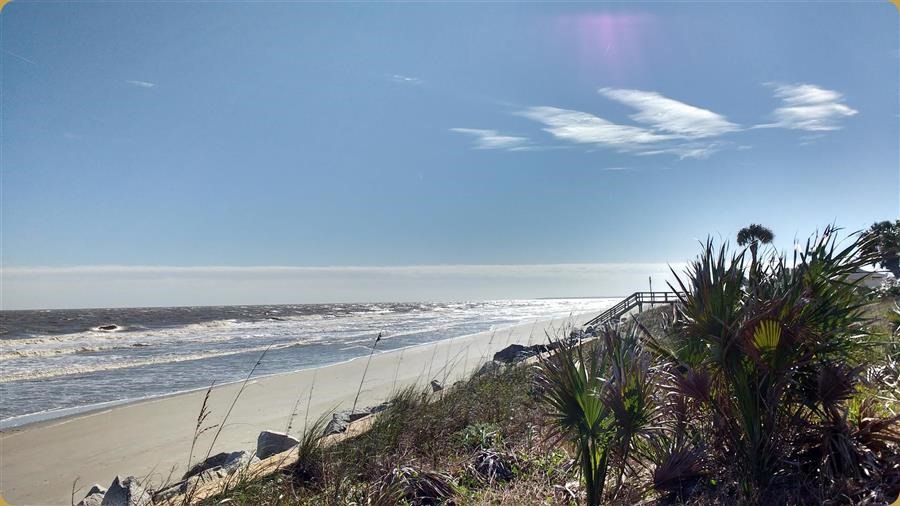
<point>635,300</point>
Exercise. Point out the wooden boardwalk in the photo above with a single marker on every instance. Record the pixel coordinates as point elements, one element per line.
<point>635,300</point>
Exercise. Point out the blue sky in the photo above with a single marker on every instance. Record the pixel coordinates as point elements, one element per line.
<point>255,135</point>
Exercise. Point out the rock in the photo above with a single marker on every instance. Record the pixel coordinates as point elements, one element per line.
<point>541,348</point>
<point>108,327</point>
<point>517,352</point>
<point>126,492</point>
<point>272,443</point>
<point>239,460</point>
<point>436,386</point>
<point>91,500</point>
<point>218,466</point>
<point>338,424</point>
<point>96,489</point>
<point>94,496</point>
<point>229,462</point>
<point>513,353</point>
<point>341,420</point>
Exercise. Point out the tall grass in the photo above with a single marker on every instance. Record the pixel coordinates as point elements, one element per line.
<point>365,372</point>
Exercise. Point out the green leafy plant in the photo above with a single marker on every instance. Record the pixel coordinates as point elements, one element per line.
<point>600,400</point>
<point>480,435</point>
<point>885,245</point>
<point>766,363</point>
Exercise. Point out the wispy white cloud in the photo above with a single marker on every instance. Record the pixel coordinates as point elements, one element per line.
<point>492,139</point>
<point>141,84</point>
<point>618,169</point>
<point>584,128</point>
<point>399,78</point>
<point>668,115</point>
<point>808,107</point>
<point>20,57</point>
<point>665,126</point>
<point>688,150</point>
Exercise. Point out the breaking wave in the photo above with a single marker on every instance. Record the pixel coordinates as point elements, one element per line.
<point>57,360</point>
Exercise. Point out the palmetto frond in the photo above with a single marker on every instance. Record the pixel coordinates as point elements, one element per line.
<point>602,398</point>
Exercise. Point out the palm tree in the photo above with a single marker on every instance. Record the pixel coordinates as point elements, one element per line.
<point>885,245</point>
<point>754,235</point>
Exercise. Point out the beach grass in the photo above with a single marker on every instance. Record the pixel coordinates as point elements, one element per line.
<point>776,386</point>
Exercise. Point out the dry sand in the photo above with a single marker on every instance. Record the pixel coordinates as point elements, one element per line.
<point>151,439</point>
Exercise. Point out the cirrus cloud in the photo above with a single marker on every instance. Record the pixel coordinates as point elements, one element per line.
<point>808,107</point>
<point>141,84</point>
<point>492,139</point>
<point>669,115</point>
<point>666,126</point>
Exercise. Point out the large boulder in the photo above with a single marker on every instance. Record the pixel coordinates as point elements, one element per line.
<point>190,484</point>
<point>272,443</point>
<point>126,492</point>
<point>94,496</point>
<point>218,466</point>
<point>229,462</point>
<point>341,420</point>
<point>513,353</point>
<point>517,352</point>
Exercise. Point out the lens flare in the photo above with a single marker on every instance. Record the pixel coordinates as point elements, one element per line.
<point>611,42</point>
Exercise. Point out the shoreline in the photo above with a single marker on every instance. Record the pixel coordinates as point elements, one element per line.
<point>108,405</point>
<point>43,418</point>
<point>151,437</point>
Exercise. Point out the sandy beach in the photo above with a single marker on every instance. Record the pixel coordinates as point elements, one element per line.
<point>151,439</point>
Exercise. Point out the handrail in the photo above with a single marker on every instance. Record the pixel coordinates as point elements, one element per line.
<point>630,302</point>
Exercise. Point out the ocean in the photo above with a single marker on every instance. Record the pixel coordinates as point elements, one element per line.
<point>57,362</point>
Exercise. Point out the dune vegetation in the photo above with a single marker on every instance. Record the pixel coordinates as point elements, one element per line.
<point>773,381</point>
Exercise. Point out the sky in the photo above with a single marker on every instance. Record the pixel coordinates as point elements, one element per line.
<point>168,153</point>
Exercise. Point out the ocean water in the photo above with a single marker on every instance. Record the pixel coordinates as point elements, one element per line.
<point>53,362</point>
